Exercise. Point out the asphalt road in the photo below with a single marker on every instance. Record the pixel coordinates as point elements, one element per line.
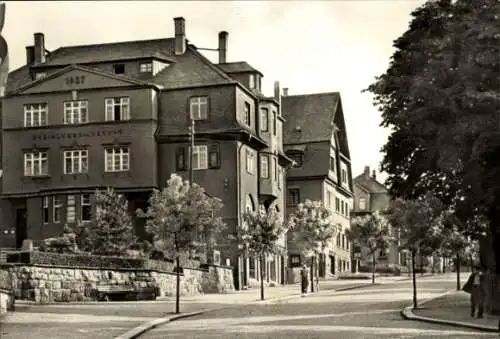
<point>371,313</point>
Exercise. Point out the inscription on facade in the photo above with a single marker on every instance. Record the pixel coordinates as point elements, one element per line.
<point>68,135</point>
<point>75,80</point>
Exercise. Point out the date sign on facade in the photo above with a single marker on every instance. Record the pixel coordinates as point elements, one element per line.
<point>75,80</point>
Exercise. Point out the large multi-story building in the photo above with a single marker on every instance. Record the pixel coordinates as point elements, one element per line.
<point>315,137</point>
<point>81,118</point>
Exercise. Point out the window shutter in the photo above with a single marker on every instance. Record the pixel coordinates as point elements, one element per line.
<point>214,156</point>
<point>180,159</point>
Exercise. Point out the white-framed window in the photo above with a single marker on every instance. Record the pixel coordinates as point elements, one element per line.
<point>362,204</point>
<point>337,204</point>
<point>198,108</point>
<point>117,159</point>
<point>75,112</point>
<point>76,161</point>
<point>250,158</point>
<point>86,208</point>
<point>57,204</point>
<point>344,176</point>
<point>264,166</point>
<point>36,164</point>
<point>251,81</point>
<point>264,119</point>
<point>45,210</point>
<point>200,157</point>
<point>35,115</point>
<point>70,208</point>
<point>146,67</point>
<point>117,109</point>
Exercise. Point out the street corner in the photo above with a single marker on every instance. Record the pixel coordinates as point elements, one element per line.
<point>137,331</point>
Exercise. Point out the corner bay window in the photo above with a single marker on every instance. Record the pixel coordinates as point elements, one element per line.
<point>35,115</point>
<point>264,119</point>
<point>36,164</point>
<point>117,159</point>
<point>76,161</point>
<point>264,166</point>
<point>117,109</point>
<point>70,209</point>
<point>75,112</point>
<point>204,157</point>
<point>198,108</point>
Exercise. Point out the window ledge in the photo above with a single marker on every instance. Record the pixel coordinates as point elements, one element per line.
<point>37,177</point>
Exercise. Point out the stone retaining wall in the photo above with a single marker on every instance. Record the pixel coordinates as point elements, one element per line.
<point>6,295</point>
<point>45,284</point>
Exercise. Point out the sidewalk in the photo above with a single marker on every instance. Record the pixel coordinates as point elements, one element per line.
<point>453,308</point>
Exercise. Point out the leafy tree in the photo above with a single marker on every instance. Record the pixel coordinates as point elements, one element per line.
<point>110,231</point>
<point>440,96</point>
<point>313,230</point>
<point>182,220</point>
<point>420,225</point>
<point>372,233</point>
<point>261,232</point>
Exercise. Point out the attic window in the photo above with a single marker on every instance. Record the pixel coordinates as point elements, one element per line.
<point>119,68</point>
<point>146,67</point>
<point>251,81</point>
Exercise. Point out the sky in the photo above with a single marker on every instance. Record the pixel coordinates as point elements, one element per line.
<point>308,46</point>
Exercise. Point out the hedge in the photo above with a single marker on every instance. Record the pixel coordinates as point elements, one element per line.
<point>94,261</point>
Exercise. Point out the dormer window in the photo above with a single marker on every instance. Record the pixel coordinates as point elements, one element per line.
<point>146,67</point>
<point>251,81</point>
<point>119,68</point>
<point>40,75</point>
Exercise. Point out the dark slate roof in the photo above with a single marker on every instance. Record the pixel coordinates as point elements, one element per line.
<point>188,70</point>
<point>369,184</point>
<point>159,48</point>
<point>238,67</point>
<point>309,117</point>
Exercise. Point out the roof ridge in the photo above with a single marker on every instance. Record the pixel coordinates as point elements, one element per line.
<point>111,43</point>
<point>205,60</point>
<point>307,95</point>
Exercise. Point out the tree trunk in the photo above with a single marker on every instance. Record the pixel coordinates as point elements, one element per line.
<point>317,273</point>
<point>415,304</point>
<point>457,267</point>
<point>312,274</point>
<point>444,264</point>
<point>373,267</point>
<point>261,276</point>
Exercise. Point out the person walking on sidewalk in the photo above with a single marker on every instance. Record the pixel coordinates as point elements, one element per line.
<point>304,280</point>
<point>475,285</point>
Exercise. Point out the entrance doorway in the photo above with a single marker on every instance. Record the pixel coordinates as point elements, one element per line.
<point>21,227</point>
<point>332,264</point>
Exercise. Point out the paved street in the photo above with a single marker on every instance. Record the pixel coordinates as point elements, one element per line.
<point>371,312</point>
<point>107,320</point>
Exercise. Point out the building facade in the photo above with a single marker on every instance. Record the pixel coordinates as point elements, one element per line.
<point>82,118</point>
<point>315,137</point>
<point>371,195</point>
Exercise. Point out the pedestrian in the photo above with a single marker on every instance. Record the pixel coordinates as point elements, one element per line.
<point>304,280</point>
<point>475,285</point>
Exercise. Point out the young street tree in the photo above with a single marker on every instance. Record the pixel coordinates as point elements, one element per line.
<point>440,96</point>
<point>110,231</point>
<point>371,232</point>
<point>181,219</point>
<point>261,234</point>
<point>313,229</point>
<point>419,224</point>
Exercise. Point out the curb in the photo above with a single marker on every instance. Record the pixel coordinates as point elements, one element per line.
<point>408,314</point>
<point>341,289</point>
<point>141,329</point>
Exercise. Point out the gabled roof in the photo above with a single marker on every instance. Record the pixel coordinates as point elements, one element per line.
<point>84,54</point>
<point>238,67</point>
<point>122,79</point>
<point>369,184</point>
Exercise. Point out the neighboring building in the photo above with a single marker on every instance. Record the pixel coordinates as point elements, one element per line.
<point>118,114</point>
<point>369,196</point>
<point>316,138</point>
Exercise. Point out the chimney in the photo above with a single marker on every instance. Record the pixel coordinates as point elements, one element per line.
<point>30,55</point>
<point>374,175</point>
<point>277,91</point>
<point>285,91</point>
<point>367,172</point>
<point>39,53</point>
<point>180,35</point>
<point>223,47</point>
